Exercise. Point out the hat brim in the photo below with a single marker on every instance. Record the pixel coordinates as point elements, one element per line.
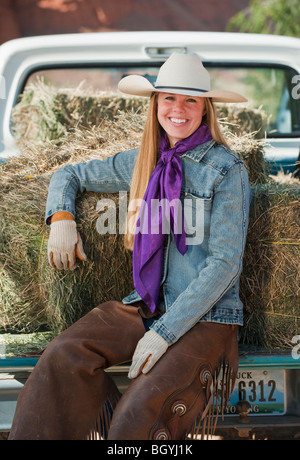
<point>137,85</point>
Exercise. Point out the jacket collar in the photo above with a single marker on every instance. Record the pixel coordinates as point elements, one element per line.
<point>198,153</point>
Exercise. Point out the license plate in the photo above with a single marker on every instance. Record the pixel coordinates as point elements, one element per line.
<point>263,389</point>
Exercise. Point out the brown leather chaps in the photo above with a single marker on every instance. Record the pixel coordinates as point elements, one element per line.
<point>70,395</point>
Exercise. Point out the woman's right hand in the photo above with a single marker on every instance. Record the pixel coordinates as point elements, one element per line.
<point>64,244</point>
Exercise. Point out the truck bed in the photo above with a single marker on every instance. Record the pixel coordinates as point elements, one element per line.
<point>14,372</point>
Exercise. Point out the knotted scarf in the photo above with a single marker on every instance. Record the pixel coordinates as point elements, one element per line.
<point>164,186</point>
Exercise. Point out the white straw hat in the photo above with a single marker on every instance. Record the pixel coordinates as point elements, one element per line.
<point>180,74</point>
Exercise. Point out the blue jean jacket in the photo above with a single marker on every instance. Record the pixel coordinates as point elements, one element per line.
<point>203,284</point>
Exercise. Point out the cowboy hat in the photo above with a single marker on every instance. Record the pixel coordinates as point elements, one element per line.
<point>180,74</point>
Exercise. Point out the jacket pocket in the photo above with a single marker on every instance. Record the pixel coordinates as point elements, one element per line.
<point>197,212</point>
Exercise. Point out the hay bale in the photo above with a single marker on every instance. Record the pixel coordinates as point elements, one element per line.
<point>270,282</point>
<point>47,298</point>
<point>45,113</point>
<point>65,118</point>
<point>242,120</point>
<point>28,345</point>
<point>244,129</point>
<point>33,296</point>
<point>38,297</point>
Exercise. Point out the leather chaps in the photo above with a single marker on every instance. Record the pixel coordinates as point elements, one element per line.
<point>71,396</point>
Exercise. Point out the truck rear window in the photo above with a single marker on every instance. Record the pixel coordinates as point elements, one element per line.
<point>269,87</point>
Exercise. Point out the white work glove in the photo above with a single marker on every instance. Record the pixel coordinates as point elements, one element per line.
<point>148,351</point>
<point>64,245</point>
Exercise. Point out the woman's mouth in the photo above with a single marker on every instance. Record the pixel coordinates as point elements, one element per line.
<point>178,121</point>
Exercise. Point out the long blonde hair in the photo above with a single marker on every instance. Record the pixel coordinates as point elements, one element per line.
<point>147,159</point>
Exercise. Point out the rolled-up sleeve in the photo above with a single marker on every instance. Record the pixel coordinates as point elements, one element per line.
<point>102,176</point>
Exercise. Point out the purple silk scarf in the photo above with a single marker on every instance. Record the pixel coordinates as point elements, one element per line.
<point>163,187</point>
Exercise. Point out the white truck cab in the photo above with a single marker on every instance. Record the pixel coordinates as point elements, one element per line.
<point>265,68</point>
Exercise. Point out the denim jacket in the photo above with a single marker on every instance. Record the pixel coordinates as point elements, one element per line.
<point>203,284</point>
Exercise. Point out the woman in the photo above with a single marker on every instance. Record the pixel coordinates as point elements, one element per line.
<point>179,326</point>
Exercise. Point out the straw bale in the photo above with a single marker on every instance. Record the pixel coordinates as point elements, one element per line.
<point>45,113</point>
<point>242,120</point>
<point>12,345</point>
<point>46,297</point>
<point>270,282</point>
<point>37,296</point>
<point>54,128</point>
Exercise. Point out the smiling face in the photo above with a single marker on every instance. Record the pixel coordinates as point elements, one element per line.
<point>179,115</point>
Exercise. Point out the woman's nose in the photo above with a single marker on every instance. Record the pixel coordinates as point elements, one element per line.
<point>179,106</point>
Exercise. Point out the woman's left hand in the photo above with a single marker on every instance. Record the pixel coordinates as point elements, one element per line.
<point>148,351</point>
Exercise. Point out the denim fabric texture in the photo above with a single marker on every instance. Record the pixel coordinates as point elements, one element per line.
<point>202,285</point>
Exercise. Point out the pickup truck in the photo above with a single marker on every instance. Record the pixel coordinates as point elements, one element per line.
<point>266,69</point>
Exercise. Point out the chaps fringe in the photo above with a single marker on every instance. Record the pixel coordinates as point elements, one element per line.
<point>203,399</point>
<point>218,390</point>
<point>103,421</point>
